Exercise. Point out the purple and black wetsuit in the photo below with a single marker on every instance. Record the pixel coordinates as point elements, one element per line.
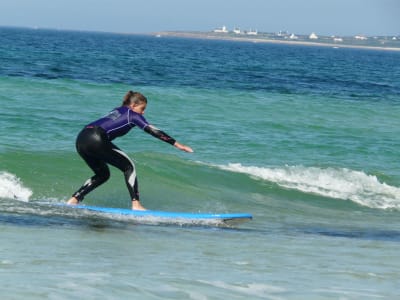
<point>95,147</point>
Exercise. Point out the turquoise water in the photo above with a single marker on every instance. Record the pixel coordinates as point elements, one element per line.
<point>304,138</point>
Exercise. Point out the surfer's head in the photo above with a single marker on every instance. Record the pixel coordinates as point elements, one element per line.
<point>135,101</point>
<point>134,98</point>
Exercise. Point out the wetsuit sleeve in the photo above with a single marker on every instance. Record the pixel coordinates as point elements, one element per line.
<point>154,131</point>
<point>138,120</point>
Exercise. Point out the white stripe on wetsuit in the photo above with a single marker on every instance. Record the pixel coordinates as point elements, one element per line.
<point>132,178</point>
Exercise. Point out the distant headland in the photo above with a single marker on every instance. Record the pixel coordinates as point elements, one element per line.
<point>283,37</point>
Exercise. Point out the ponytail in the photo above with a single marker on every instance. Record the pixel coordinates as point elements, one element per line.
<point>133,97</point>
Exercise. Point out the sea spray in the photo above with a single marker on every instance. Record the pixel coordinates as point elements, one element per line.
<point>339,183</point>
<point>11,187</point>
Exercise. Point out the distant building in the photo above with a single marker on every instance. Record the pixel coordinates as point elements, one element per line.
<point>223,29</point>
<point>361,37</point>
<point>337,39</point>
<point>293,37</point>
<point>394,38</point>
<point>252,32</point>
<point>237,30</point>
<point>313,36</point>
<point>282,33</point>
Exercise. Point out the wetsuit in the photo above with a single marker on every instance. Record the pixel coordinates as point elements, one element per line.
<point>95,147</point>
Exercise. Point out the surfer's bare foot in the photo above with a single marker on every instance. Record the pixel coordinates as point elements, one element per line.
<point>136,205</point>
<point>73,201</point>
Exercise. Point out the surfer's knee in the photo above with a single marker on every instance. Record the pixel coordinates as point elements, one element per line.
<point>103,176</point>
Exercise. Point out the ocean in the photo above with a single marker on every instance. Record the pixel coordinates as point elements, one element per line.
<point>306,139</point>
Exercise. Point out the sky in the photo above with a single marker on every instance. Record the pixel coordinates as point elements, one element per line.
<point>324,17</point>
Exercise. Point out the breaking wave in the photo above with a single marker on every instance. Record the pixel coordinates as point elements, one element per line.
<point>11,187</point>
<point>339,183</point>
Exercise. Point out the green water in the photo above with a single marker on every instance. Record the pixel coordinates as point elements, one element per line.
<point>305,139</point>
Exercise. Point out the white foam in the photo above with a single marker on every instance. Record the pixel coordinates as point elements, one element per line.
<point>11,187</point>
<point>340,183</point>
<point>250,290</point>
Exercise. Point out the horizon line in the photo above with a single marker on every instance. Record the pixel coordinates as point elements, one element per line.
<point>180,30</point>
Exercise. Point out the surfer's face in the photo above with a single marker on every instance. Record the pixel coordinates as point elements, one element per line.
<point>138,108</point>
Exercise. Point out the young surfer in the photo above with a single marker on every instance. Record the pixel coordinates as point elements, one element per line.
<point>95,147</point>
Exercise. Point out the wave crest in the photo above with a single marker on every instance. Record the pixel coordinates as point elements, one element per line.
<point>338,183</point>
<point>11,187</point>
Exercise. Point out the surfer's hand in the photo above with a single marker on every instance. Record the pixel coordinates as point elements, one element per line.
<point>183,147</point>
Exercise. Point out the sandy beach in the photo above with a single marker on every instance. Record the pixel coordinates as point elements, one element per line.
<point>213,36</point>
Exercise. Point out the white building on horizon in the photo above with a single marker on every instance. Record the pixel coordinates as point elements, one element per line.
<point>223,29</point>
<point>282,33</point>
<point>237,30</point>
<point>361,37</point>
<point>252,32</point>
<point>313,36</point>
<point>337,39</point>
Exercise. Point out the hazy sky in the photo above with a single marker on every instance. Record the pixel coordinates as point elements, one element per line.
<point>327,17</point>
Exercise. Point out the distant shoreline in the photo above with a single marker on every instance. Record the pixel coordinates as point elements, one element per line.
<point>213,36</point>
<point>261,38</point>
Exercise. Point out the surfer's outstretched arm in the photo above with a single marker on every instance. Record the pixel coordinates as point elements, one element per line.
<point>154,131</point>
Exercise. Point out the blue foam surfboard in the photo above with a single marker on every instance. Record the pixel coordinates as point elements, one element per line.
<point>229,218</point>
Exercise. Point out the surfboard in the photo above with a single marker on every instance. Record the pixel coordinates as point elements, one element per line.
<point>174,217</point>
